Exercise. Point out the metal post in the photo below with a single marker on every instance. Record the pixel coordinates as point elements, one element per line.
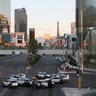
<point>82,66</point>
<point>79,82</point>
<point>79,77</point>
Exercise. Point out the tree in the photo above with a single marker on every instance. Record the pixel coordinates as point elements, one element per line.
<point>32,46</point>
<point>31,59</point>
<point>32,49</point>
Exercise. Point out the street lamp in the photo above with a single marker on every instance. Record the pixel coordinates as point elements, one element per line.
<point>81,27</point>
<point>82,66</point>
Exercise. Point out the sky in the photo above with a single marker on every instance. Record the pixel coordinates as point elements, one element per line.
<point>44,14</point>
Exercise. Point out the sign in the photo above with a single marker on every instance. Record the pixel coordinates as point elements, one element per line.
<point>4,29</point>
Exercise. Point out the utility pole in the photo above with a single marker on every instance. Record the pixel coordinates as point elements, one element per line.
<point>82,65</point>
<point>78,72</point>
<point>81,50</point>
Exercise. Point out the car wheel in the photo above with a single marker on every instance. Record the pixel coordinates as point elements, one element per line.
<point>43,87</point>
<point>9,86</point>
<point>2,85</point>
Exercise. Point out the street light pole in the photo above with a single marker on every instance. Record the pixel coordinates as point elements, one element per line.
<point>82,65</point>
<point>81,27</point>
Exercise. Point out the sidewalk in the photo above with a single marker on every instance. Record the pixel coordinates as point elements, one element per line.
<point>86,69</point>
<point>90,69</point>
<point>76,92</point>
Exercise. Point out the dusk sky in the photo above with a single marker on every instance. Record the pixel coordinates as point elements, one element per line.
<point>44,14</point>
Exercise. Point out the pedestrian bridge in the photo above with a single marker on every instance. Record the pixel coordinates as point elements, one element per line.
<point>8,52</point>
<point>51,52</point>
<point>40,52</point>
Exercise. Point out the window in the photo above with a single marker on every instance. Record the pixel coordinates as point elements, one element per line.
<point>19,41</point>
<point>19,37</point>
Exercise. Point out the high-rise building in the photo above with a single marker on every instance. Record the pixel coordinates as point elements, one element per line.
<point>85,12</point>
<point>21,21</point>
<point>47,37</point>
<point>5,9</point>
<point>58,30</point>
<point>31,33</point>
<point>5,12</point>
<point>73,28</point>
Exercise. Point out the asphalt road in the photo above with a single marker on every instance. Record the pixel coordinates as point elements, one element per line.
<point>15,64</point>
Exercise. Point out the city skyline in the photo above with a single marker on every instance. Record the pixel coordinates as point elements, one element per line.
<point>43,15</point>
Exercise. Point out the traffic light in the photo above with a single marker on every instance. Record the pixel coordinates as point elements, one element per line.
<point>65,36</point>
<point>73,39</point>
<point>78,72</point>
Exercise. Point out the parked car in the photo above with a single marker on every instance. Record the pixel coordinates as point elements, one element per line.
<point>55,79</point>
<point>50,82</point>
<point>10,83</point>
<point>47,76</point>
<point>41,75</point>
<point>13,76</point>
<point>20,81</point>
<point>27,82</point>
<point>22,75</point>
<point>16,76</point>
<point>65,77</point>
<point>41,83</point>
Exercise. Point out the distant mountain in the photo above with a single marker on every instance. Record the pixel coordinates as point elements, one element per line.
<point>40,39</point>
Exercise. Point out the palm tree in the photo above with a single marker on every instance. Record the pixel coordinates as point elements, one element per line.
<point>32,49</point>
<point>32,46</point>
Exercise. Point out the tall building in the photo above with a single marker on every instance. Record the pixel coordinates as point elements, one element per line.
<point>88,16</point>
<point>58,30</point>
<point>5,8</point>
<point>21,21</point>
<point>47,40</point>
<point>73,28</point>
<point>5,11</point>
<point>47,37</point>
<point>31,33</point>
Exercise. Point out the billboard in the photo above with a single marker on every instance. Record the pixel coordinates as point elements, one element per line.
<point>4,29</point>
<point>5,37</point>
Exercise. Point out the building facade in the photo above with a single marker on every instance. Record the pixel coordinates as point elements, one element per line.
<point>47,37</point>
<point>4,30</point>
<point>73,28</point>
<point>4,26</point>
<point>90,42</point>
<point>21,21</point>
<point>85,10</point>
<point>31,33</point>
<point>5,12</point>
<point>58,34</point>
<point>5,9</point>
<point>20,39</point>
